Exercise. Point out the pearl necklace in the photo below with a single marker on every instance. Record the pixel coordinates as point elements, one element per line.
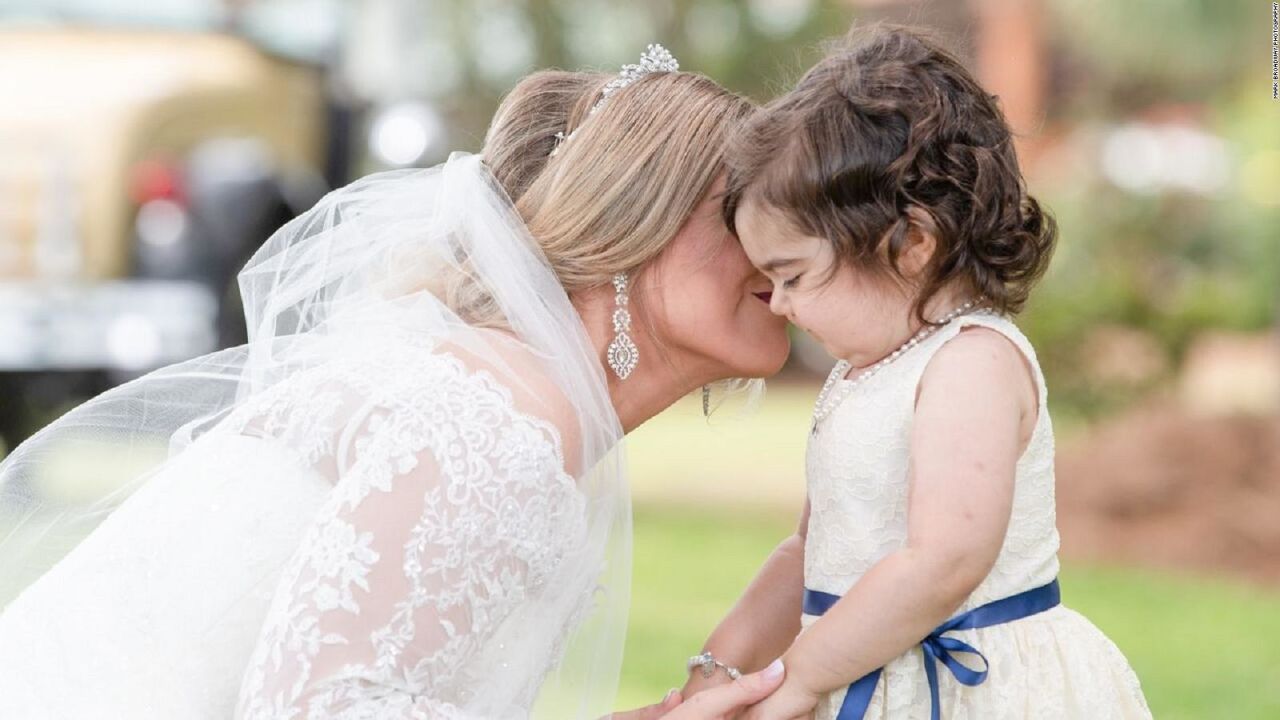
<point>827,402</point>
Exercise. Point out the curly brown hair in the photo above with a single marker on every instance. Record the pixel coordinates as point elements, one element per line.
<point>887,132</point>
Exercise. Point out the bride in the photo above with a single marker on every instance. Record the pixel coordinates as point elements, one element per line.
<point>405,496</point>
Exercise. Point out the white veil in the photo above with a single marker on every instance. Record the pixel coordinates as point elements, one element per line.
<point>439,254</point>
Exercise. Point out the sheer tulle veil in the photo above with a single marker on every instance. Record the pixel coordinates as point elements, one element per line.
<point>436,253</point>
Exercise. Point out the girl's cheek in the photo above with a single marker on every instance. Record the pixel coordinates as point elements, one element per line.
<point>803,313</point>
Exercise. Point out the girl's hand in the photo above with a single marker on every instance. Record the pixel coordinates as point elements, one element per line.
<point>790,702</point>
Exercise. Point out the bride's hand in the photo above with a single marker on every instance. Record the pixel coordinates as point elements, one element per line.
<point>650,712</point>
<point>718,703</point>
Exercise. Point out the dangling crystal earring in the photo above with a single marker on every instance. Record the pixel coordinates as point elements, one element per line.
<point>623,354</point>
<point>706,401</point>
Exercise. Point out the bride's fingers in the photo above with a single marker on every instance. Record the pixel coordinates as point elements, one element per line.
<point>651,712</point>
<point>725,700</point>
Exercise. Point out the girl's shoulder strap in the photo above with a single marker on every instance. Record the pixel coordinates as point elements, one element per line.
<point>998,322</point>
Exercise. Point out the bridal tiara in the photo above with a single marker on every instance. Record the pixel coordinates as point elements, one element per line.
<point>654,59</point>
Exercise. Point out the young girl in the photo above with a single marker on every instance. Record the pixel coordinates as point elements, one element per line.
<point>883,198</point>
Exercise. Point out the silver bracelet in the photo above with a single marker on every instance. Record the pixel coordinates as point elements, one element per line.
<point>708,663</point>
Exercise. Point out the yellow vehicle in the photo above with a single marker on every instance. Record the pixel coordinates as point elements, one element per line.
<point>140,166</point>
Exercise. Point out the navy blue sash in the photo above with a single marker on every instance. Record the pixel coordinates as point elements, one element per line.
<point>937,648</point>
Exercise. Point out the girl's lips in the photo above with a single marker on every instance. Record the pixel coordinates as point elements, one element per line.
<point>764,296</point>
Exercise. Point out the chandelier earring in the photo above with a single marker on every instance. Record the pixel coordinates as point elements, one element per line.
<point>623,353</point>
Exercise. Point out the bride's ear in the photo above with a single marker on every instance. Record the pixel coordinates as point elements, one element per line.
<point>593,301</point>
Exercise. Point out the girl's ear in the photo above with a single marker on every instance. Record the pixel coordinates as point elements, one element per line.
<point>921,244</point>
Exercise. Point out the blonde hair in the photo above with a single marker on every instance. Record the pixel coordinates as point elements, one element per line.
<point>614,195</point>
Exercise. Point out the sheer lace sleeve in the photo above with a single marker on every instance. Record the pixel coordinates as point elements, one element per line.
<point>450,509</point>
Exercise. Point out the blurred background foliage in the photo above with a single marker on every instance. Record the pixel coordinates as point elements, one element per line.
<point>1148,128</point>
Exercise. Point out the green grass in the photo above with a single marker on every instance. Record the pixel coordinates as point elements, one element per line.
<point>1203,648</point>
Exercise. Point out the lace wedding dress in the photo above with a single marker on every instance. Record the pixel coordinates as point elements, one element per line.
<point>409,514</point>
<point>1054,665</point>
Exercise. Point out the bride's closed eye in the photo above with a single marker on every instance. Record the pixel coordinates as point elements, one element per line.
<point>788,284</point>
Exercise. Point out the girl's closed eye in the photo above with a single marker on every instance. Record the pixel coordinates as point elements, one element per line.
<point>788,284</point>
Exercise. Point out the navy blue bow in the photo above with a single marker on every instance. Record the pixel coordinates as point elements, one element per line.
<point>938,648</point>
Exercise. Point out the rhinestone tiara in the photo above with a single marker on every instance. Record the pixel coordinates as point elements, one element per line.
<point>654,59</point>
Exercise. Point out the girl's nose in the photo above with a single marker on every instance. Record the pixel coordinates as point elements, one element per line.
<point>777,304</point>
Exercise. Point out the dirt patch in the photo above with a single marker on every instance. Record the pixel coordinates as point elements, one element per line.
<point>1159,486</point>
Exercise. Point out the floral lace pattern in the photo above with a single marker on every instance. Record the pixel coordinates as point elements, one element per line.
<point>1055,665</point>
<point>392,535</point>
<point>450,509</point>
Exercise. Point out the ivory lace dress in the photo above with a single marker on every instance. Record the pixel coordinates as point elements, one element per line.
<point>1053,665</point>
<point>365,586</point>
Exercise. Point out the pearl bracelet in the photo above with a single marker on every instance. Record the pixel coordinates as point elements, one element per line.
<point>708,663</point>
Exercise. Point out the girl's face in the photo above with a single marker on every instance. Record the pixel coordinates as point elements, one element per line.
<point>857,316</point>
